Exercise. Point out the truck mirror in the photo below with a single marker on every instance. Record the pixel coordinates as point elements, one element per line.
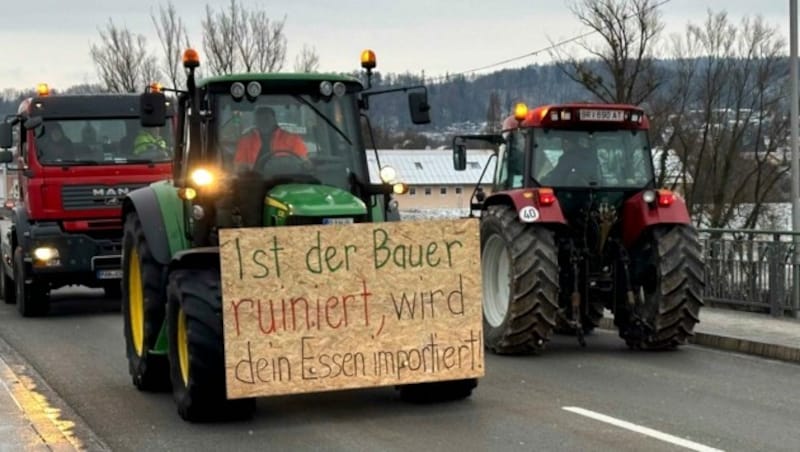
<point>6,136</point>
<point>420,110</point>
<point>460,157</point>
<point>153,109</point>
<point>6,156</point>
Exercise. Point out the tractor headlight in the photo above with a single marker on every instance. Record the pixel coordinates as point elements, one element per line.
<point>400,188</point>
<point>339,89</point>
<point>202,177</point>
<point>237,90</point>
<point>649,196</point>
<point>326,88</point>
<point>388,174</point>
<point>253,89</point>
<point>45,253</point>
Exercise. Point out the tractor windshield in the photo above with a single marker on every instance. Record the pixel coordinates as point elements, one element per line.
<point>102,142</point>
<point>580,158</point>
<point>285,136</point>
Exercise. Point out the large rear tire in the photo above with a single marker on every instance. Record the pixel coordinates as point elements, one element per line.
<point>672,281</point>
<point>196,348</point>
<point>33,299</point>
<point>519,265</point>
<point>143,309</point>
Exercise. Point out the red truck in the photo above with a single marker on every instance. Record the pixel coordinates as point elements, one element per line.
<point>71,160</point>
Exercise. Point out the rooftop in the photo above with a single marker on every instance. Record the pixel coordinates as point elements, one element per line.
<point>431,167</point>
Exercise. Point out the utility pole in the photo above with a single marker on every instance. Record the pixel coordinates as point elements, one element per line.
<point>793,124</point>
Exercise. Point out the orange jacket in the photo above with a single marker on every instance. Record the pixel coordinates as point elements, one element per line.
<point>249,146</point>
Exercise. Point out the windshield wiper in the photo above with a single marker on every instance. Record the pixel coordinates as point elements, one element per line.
<point>327,119</point>
<point>76,162</point>
<point>148,161</point>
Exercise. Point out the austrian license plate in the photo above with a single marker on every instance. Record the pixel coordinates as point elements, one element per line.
<point>109,274</point>
<point>343,220</point>
<point>601,115</point>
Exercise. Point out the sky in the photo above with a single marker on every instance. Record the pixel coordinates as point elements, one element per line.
<point>49,40</point>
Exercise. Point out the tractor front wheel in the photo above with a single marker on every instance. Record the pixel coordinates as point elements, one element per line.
<point>519,265</point>
<point>670,282</point>
<point>196,348</point>
<point>440,391</point>
<point>143,309</point>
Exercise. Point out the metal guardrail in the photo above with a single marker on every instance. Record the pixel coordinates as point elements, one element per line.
<point>751,269</point>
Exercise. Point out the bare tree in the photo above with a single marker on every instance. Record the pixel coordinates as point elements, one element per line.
<point>307,60</point>
<point>270,42</point>
<point>235,38</point>
<point>122,60</point>
<point>729,123</point>
<point>173,38</point>
<point>621,68</point>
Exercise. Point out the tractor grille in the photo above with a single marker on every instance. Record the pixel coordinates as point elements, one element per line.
<point>75,197</point>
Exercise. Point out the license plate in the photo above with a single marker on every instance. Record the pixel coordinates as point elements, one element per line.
<point>109,274</point>
<point>602,115</point>
<point>337,221</point>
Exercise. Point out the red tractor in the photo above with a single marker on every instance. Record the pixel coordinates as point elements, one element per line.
<point>575,225</point>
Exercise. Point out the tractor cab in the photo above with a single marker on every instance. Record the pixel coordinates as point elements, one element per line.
<point>276,149</point>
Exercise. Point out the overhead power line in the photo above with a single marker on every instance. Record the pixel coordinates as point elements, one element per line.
<point>532,53</point>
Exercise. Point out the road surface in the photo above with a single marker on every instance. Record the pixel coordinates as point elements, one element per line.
<point>603,397</point>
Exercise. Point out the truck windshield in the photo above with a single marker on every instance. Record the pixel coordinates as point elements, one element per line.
<point>579,158</point>
<point>290,135</point>
<point>102,142</point>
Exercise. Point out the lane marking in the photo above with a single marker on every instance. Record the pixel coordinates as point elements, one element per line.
<point>640,429</point>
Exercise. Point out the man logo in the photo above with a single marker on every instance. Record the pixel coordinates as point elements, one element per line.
<point>110,192</point>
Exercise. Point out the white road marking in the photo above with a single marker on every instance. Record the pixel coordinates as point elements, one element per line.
<point>640,429</point>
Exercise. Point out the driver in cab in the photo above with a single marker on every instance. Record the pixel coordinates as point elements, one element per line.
<point>267,138</point>
<point>577,164</point>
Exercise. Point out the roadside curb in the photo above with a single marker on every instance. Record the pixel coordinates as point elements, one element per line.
<point>733,344</point>
<point>59,426</point>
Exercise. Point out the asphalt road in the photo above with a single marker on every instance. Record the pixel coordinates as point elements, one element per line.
<point>715,400</point>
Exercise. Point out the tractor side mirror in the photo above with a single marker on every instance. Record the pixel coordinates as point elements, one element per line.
<point>480,195</point>
<point>420,110</point>
<point>153,109</point>
<point>460,157</point>
<point>6,157</point>
<point>6,136</point>
<point>33,123</point>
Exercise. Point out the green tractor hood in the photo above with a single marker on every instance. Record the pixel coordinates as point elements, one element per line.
<point>307,200</point>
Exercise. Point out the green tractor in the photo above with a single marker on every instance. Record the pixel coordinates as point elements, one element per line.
<point>252,150</point>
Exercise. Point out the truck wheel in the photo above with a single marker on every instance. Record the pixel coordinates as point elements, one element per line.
<point>519,265</point>
<point>440,391</point>
<point>672,281</point>
<point>32,299</point>
<point>196,348</point>
<point>143,309</point>
<point>7,290</point>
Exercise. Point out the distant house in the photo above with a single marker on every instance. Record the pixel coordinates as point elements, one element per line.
<point>432,181</point>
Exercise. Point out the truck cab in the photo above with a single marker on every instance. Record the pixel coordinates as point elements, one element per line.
<point>73,159</point>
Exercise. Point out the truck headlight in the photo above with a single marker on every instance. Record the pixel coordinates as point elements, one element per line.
<point>45,253</point>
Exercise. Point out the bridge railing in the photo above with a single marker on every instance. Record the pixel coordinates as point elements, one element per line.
<point>751,269</point>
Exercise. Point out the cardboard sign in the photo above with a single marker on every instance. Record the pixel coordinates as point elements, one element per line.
<point>318,308</point>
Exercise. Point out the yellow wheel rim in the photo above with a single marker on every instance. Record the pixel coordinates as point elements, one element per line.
<point>183,347</point>
<point>136,302</point>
